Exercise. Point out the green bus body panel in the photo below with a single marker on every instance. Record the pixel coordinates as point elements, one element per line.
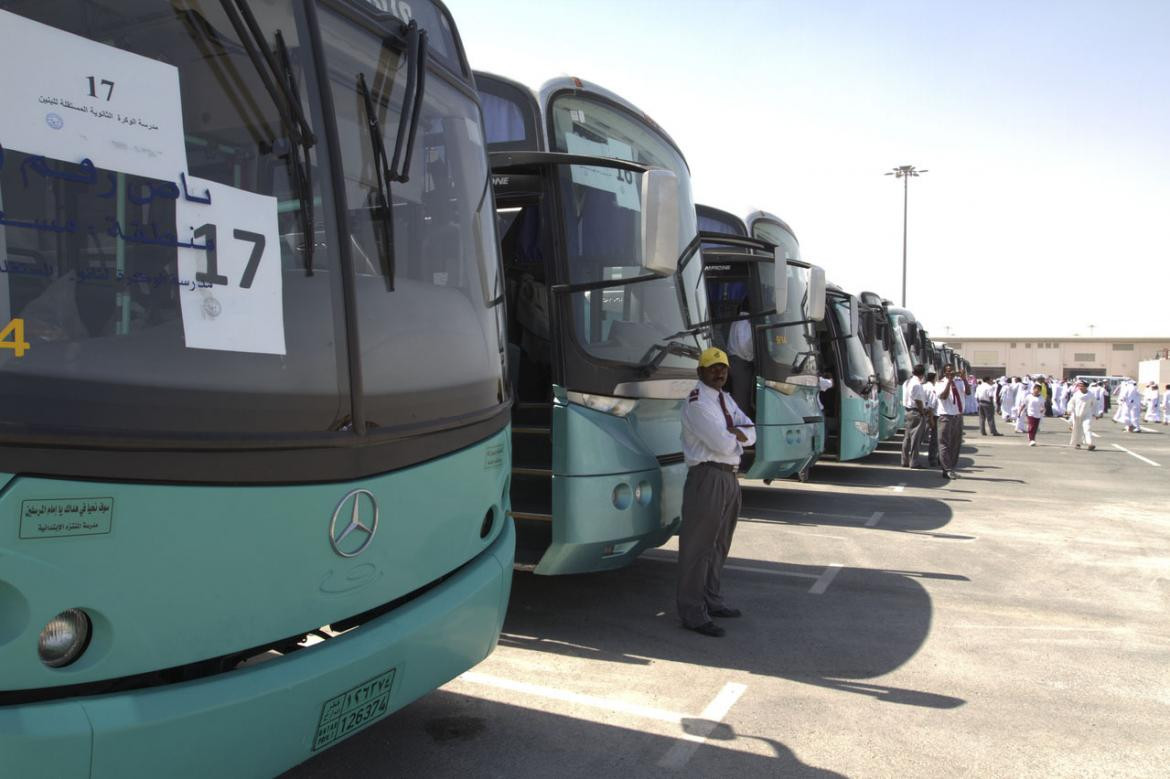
<point>785,443</point>
<point>889,420</point>
<point>597,457</point>
<point>187,573</point>
<point>856,410</point>
<point>262,719</point>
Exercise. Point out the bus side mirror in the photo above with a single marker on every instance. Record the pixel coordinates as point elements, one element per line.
<point>780,283</point>
<point>816,293</point>
<point>660,240</point>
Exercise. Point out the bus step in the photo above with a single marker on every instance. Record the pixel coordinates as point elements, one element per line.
<point>527,471</point>
<point>532,414</point>
<point>533,430</point>
<point>533,538</point>
<point>532,451</point>
<point>531,493</point>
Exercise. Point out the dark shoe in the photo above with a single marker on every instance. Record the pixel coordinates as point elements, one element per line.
<point>725,613</point>
<point>1092,447</point>
<point>709,629</point>
<point>997,433</point>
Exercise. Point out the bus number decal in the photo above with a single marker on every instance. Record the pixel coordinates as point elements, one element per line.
<point>12,337</point>
<point>212,276</point>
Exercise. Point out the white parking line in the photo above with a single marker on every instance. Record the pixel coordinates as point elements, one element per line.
<point>899,487</point>
<point>752,569</point>
<point>1135,454</point>
<point>824,580</point>
<point>666,557</point>
<point>589,701</point>
<point>875,518</point>
<point>682,751</point>
<point>679,754</point>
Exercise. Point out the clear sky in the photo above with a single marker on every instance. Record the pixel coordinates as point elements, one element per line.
<point>1045,125</point>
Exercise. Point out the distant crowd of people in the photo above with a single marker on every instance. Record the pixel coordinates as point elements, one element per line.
<point>935,405</point>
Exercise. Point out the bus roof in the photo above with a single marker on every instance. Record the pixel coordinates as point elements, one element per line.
<point>554,87</point>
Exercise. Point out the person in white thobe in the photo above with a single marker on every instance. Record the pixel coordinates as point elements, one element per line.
<point>1133,409</point>
<point>1082,408</point>
<point>1153,400</point>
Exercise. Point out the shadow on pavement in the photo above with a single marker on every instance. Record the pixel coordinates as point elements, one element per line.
<point>866,624</point>
<point>792,505</point>
<point>449,734</point>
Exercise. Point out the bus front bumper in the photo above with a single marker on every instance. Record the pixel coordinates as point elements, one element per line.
<point>262,719</point>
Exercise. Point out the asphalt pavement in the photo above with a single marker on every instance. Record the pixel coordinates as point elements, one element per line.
<point>1012,622</point>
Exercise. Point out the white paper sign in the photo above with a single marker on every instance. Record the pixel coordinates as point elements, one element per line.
<point>70,98</point>
<point>236,302</point>
<point>623,183</point>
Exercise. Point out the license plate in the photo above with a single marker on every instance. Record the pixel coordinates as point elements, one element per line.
<point>354,709</point>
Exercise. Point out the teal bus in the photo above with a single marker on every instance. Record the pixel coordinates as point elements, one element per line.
<point>881,342</point>
<point>903,358</point>
<point>606,319</point>
<point>255,409</point>
<point>851,404</point>
<point>763,314</point>
<point>917,343</point>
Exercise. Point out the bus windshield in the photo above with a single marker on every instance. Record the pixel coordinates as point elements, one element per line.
<point>879,355</point>
<point>902,361</point>
<point>792,348</point>
<point>181,278</point>
<point>640,323</point>
<point>858,368</point>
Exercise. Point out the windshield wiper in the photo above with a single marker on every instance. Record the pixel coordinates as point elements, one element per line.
<point>301,167</point>
<point>280,85</point>
<point>383,174</point>
<point>658,352</point>
<point>416,73</point>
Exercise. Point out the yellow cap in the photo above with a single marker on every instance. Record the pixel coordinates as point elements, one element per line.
<point>713,356</point>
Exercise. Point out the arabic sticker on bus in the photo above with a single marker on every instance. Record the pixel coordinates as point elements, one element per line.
<point>230,249</point>
<point>622,183</point>
<point>69,98</point>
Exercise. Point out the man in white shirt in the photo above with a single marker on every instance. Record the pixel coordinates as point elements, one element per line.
<point>914,401</point>
<point>951,392</point>
<point>1082,407</point>
<point>985,397</point>
<point>928,387</point>
<point>742,354</point>
<point>714,433</point>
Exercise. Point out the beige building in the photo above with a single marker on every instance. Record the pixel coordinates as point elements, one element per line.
<point>1065,357</point>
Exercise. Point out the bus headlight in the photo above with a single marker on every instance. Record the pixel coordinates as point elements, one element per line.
<point>64,638</point>
<point>862,427</point>
<point>619,407</point>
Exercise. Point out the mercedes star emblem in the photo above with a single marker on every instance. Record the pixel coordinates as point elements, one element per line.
<point>361,503</point>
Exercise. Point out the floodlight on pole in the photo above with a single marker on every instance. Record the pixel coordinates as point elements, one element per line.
<point>904,172</point>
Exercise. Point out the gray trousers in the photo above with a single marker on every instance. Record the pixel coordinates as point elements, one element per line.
<point>711,502</point>
<point>987,417</point>
<point>932,441</point>
<point>912,442</point>
<point>950,438</point>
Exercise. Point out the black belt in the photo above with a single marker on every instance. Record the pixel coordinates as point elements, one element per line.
<point>721,466</point>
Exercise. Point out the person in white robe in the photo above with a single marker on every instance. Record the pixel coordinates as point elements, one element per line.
<point>1020,410</point>
<point>1153,402</point>
<point>1166,406</point>
<point>1122,398</point>
<point>1133,409</point>
<point>1082,408</point>
<point>1099,393</point>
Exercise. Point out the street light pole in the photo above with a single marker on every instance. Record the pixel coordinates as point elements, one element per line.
<point>904,172</point>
